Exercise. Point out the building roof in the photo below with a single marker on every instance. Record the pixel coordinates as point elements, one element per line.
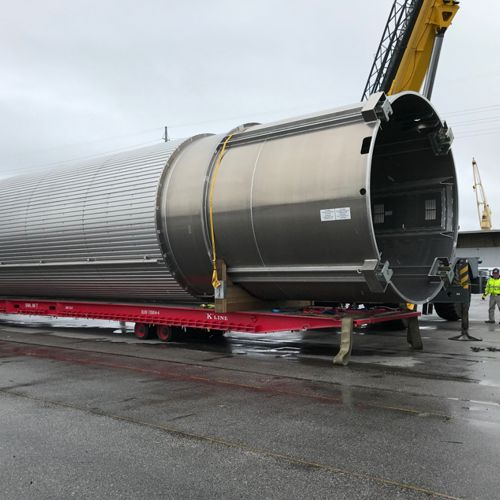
<point>475,239</point>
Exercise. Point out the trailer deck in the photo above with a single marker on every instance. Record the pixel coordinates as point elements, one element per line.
<point>149,317</point>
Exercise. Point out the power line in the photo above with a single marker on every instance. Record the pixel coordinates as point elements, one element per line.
<point>467,133</point>
<point>248,116</point>
<point>479,133</point>
<point>468,123</point>
<point>93,141</point>
<point>89,157</point>
<point>477,110</point>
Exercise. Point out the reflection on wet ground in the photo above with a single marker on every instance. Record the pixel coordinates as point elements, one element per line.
<point>285,344</point>
<point>374,346</point>
<point>417,423</point>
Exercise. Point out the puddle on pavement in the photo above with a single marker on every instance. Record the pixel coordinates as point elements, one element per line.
<point>387,351</point>
<point>394,361</point>
<point>489,383</point>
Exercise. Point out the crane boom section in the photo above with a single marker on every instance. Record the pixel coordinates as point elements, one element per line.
<point>483,208</point>
<point>434,18</point>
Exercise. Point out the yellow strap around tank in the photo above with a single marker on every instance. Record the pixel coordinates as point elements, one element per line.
<point>215,278</point>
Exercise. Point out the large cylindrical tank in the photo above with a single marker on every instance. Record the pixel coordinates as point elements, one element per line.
<point>352,204</point>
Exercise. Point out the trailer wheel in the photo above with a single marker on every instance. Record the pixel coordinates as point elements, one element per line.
<point>448,311</point>
<point>165,333</point>
<point>216,335</point>
<point>394,325</point>
<point>142,331</point>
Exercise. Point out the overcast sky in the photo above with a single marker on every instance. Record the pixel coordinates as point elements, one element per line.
<point>81,78</point>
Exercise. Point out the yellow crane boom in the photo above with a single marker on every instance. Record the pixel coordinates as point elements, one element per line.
<point>483,209</point>
<point>434,18</point>
<point>409,50</point>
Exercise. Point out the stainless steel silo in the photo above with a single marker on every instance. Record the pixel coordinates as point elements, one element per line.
<point>353,204</point>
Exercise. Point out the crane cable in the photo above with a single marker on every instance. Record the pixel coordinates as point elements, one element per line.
<point>215,278</point>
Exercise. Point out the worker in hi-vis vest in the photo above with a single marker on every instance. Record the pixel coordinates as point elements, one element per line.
<point>493,290</point>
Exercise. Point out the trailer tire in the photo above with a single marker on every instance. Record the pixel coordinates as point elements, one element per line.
<point>394,325</point>
<point>142,331</point>
<point>448,311</point>
<point>216,336</point>
<point>165,333</point>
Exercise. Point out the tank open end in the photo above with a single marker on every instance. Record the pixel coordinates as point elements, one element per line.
<point>414,197</point>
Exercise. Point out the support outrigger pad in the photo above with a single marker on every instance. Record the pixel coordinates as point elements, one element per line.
<point>465,337</point>
<point>344,354</point>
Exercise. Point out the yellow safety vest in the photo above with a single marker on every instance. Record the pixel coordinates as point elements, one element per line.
<point>492,287</point>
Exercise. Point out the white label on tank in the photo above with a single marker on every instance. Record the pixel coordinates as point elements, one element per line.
<point>329,214</point>
<point>343,213</point>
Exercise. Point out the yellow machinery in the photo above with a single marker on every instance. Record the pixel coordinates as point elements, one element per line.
<point>409,50</point>
<point>407,59</point>
<point>483,209</point>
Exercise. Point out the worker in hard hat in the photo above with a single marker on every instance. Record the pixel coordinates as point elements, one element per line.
<point>493,290</point>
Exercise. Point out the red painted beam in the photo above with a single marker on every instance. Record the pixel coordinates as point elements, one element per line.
<point>196,317</point>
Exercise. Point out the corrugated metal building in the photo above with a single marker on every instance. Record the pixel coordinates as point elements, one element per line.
<point>482,244</point>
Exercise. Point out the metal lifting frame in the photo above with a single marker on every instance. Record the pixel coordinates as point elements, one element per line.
<point>397,31</point>
<point>409,51</point>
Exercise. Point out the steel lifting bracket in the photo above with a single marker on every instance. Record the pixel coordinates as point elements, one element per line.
<point>441,270</point>
<point>376,274</point>
<point>441,140</point>
<point>377,107</point>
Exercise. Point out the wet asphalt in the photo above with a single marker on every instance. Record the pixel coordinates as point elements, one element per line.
<point>89,412</point>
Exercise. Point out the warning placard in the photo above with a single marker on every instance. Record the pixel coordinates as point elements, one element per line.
<point>331,214</point>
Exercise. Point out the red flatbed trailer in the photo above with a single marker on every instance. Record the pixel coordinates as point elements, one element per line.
<point>163,317</point>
